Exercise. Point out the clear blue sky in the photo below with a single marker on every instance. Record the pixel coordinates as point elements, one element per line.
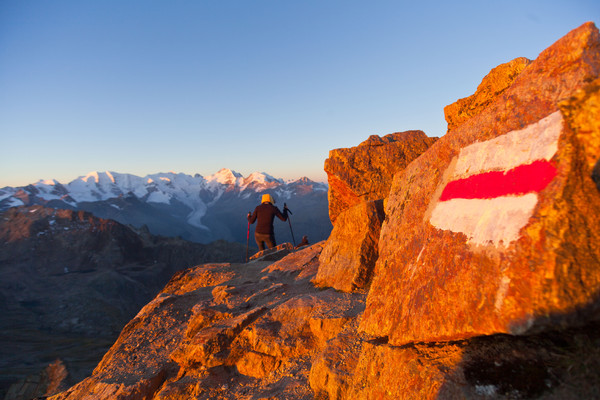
<point>252,85</point>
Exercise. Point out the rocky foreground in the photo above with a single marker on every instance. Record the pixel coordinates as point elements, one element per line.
<point>262,330</point>
<point>474,275</point>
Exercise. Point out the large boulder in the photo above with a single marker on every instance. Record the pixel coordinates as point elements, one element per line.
<point>496,228</point>
<point>348,259</point>
<point>365,172</point>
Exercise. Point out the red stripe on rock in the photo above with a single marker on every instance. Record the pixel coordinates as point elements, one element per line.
<point>517,181</point>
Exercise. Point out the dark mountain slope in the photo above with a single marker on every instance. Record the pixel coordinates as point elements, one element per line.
<point>70,281</point>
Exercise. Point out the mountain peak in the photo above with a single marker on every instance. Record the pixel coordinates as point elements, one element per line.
<point>47,182</point>
<point>304,180</point>
<point>224,176</point>
<point>262,177</point>
<point>98,177</point>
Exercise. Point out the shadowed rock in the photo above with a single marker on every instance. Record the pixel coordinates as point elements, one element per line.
<point>52,380</point>
<point>69,282</point>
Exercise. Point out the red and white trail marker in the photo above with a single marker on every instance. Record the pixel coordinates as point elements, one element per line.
<point>494,187</point>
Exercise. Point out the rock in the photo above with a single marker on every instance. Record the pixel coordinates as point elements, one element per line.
<point>332,370</point>
<point>51,381</point>
<point>284,332</point>
<point>496,228</point>
<point>209,346</point>
<point>257,365</point>
<point>365,172</point>
<point>352,367</point>
<point>412,372</point>
<point>348,259</point>
<point>303,263</point>
<point>200,276</point>
<point>493,84</point>
<point>273,254</point>
<point>552,365</point>
<point>325,329</point>
<point>581,111</point>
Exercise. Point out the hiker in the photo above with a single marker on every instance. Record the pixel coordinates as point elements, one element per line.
<point>265,213</point>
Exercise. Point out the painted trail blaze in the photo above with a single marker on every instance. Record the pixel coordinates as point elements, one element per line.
<point>517,181</point>
<point>493,189</point>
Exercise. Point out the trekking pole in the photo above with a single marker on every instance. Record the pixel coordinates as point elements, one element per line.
<point>290,222</point>
<point>247,238</point>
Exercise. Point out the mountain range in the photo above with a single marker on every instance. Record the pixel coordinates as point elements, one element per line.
<point>195,208</point>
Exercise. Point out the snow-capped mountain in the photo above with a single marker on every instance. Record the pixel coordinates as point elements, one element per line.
<point>197,208</point>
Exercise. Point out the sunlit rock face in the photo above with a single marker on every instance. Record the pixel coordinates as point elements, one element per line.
<point>495,228</point>
<point>365,172</point>
<point>497,81</point>
<point>348,259</point>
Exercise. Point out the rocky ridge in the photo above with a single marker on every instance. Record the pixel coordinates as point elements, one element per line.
<point>496,305</point>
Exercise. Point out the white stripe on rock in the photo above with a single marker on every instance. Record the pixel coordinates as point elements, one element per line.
<point>535,142</point>
<point>494,221</point>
